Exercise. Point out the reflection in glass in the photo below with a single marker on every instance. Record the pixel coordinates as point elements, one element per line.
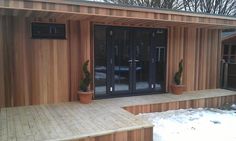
<point>226,58</point>
<point>129,60</point>
<point>232,59</point>
<point>160,42</point>
<point>100,60</point>
<point>141,60</point>
<point>233,50</point>
<point>160,67</point>
<point>120,47</point>
<point>226,49</point>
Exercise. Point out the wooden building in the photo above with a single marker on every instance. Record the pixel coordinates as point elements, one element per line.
<point>132,50</point>
<point>229,47</point>
<point>229,60</point>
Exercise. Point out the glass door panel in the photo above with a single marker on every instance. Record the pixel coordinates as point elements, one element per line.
<point>100,63</point>
<point>159,44</point>
<point>159,68</point>
<point>121,58</point>
<point>141,60</point>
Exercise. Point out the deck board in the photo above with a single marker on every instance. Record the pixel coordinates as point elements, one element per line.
<point>72,120</point>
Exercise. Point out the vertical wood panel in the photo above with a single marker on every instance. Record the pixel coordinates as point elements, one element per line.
<point>197,64</point>
<point>92,54</point>
<point>48,71</point>
<point>200,50</point>
<point>213,80</point>
<point>86,46</point>
<point>2,84</point>
<point>85,40</point>
<point>218,46</point>
<point>144,134</point>
<point>20,64</point>
<point>169,58</point>
<point>35,79</point>
<point>33,71</point>
<point>63,71</point>
<point>8,57</point>
<point>189,59</point>
<point>204,58</point>
<point>74,43</point>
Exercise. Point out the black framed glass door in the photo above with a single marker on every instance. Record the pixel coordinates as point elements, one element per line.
<point>119,59</point>
<point>159,45</point>
<point>129,61</point>
<point>141,60</point>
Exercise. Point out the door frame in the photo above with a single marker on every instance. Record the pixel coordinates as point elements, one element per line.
<point>110,80</point>
<point>131,92</point>
<point>149,89</point>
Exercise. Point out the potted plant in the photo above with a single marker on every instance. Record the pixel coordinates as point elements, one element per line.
<point>85,94</point>
<point>178,87</point>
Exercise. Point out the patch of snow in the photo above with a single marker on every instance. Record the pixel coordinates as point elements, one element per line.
<point>193,124</point>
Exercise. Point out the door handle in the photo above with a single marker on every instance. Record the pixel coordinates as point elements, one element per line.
<point>153,60</point>
<point>131,61</point>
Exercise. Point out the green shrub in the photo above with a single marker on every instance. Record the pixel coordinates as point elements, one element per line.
<point>87,78</point>
<point>178,75</point>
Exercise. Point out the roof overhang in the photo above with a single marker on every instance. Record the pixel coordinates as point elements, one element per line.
<point>111,14</point>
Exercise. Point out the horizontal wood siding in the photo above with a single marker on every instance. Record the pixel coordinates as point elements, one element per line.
<point>144,134</point>
<point>214,102</point>
<point>109,13</point>
<point>35,71</point>
<point>199,48</point>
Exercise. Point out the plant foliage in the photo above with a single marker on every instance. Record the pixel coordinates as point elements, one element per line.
<point>87,78</point>
<point>178,75</point>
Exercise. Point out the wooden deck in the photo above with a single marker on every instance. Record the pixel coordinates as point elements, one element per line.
<point>103,120</point>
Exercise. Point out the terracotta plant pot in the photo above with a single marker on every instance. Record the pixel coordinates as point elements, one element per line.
<point>177,89</point>
<point>85,97</point>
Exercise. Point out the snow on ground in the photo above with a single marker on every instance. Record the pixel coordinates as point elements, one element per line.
<point>193,125</point>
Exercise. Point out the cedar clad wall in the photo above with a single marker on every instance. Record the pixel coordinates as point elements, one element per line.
<point>34,71</point>
<point>200,49</point>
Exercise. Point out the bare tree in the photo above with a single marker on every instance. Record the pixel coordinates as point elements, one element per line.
<point>220,7</point>
<point>167,4</point>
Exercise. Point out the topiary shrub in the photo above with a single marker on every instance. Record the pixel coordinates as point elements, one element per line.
<point>178,75</point>
<point>87,78</point>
